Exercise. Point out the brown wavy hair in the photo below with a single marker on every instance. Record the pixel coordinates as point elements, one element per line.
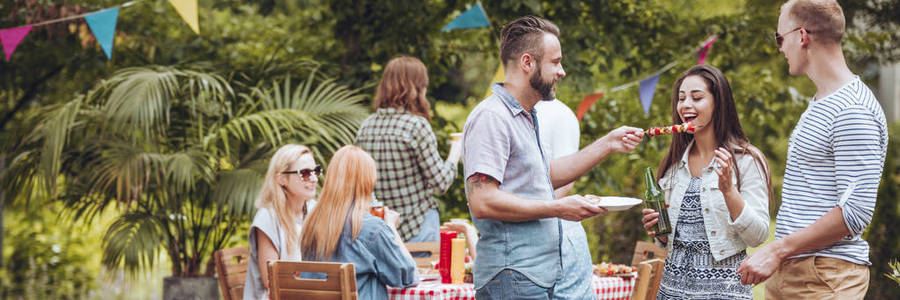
<point>403,86</point>
<point>726,126</point>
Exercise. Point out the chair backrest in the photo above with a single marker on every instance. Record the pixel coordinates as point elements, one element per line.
<point>434,248</point>
<point>657,268</point>
<point>642,285</point>
<point>231,268</point>
<point>644,251</point>
<point>285,281</point>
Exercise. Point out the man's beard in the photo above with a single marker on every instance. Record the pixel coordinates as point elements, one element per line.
<point>544,88</point>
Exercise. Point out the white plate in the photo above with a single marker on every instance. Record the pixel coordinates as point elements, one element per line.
<point>613,203</point>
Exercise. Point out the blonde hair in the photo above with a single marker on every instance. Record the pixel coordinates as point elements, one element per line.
<point>272,195</point>
<point>347,193</point>
<point>823,19</point>
<point>403,86</point>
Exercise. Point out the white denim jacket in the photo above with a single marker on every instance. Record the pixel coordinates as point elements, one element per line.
<point>726,237</point>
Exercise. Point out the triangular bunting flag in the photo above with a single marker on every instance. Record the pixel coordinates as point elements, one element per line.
<point>187,9</point>
<point>10,38</point>
<point>498,77</point>
<point>103,25</point>
<point>701,54</point>
<point>472,18</point>
<point>586,104</point>
<point>648,87</point>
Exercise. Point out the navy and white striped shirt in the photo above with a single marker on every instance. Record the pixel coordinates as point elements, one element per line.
<point>835,158</point>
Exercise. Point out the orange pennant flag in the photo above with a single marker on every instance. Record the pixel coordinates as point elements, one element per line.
<point>585,104</point>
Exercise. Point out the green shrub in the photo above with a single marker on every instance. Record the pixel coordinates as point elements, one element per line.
<point>44,258</point>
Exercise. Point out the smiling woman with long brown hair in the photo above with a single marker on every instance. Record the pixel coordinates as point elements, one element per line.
<point>341,229</point>
<point>717,186</point>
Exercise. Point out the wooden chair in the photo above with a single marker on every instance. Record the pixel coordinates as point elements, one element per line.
<point>430,247</point>
<point>642,285</point>
<point>285,281</point>
<point>644,251</point>
<point>649,276</point>
<point>231,268</point>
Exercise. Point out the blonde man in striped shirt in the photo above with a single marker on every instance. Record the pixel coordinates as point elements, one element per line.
<point>834,163</point>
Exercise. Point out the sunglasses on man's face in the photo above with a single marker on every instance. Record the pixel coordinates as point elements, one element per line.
<point>779,38</point>
<point>305,173</point>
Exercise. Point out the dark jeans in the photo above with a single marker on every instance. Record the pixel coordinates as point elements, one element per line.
<point>512,285</point>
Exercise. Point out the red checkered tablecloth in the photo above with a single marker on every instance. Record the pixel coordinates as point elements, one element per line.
<point>613,287</point>
<point>434,290</point>
<point>606,288</point>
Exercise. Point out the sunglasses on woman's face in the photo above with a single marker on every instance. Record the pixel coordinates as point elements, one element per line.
<point>305,173</point>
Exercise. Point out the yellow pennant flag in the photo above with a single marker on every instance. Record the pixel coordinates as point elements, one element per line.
<point>498,77</point>
<point>188,11</point>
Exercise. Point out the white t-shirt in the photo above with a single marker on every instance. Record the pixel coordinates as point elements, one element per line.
<point>558,128</point>
<point>560,134</point>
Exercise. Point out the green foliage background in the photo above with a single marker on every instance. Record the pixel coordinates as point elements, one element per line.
<point>605,42</point>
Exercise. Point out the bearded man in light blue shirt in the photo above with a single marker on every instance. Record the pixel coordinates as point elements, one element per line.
<point>509,178</point>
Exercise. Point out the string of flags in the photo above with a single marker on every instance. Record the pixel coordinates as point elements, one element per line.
<point>647,85</point>
<point>476,17</point>
<point>102,24</point>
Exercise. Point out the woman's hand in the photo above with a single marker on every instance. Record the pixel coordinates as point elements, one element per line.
<point>723,159</point>
<point>458,227</point>
<point>391,217</point>
<point>650,218</point>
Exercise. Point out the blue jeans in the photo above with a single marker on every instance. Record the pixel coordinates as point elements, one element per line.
<point>429,231</point>
<point>512,285</point>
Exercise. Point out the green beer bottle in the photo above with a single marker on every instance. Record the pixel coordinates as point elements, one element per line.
<point>655,200</point>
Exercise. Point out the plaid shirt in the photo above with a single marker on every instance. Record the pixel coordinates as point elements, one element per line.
<point>410,170</point>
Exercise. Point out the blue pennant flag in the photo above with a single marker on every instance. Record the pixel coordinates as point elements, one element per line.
<point>648,87</point>
<point>472,18</point>
<point>103,25</point>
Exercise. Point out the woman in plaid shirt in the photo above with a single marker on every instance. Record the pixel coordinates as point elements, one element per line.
<point>399,137</point>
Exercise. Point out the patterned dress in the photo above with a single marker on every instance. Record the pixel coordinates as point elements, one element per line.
<point>691,272</point>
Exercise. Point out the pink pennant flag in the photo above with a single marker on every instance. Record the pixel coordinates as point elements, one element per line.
<point>10,38</point>
<point>705,50</point>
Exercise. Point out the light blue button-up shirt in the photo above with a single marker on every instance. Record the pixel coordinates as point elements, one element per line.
<point>378,259</point>
<point>500,140</point>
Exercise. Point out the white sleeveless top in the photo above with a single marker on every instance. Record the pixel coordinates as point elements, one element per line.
<point>267,222</point>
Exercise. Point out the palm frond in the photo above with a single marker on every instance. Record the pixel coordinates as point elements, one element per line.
<point>269,126</point>
<point>335,106</point>
<point>141,96</point>
<point>237,189</point>
<point>21,180</point>
<point>55,132</point>
<point>124,171</point>
<point>132,241</point>
<point>183,169</point>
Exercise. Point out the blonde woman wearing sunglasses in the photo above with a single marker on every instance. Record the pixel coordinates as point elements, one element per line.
<point>285,199</point>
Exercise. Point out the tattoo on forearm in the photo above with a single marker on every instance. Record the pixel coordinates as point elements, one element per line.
<point>477,181</point>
